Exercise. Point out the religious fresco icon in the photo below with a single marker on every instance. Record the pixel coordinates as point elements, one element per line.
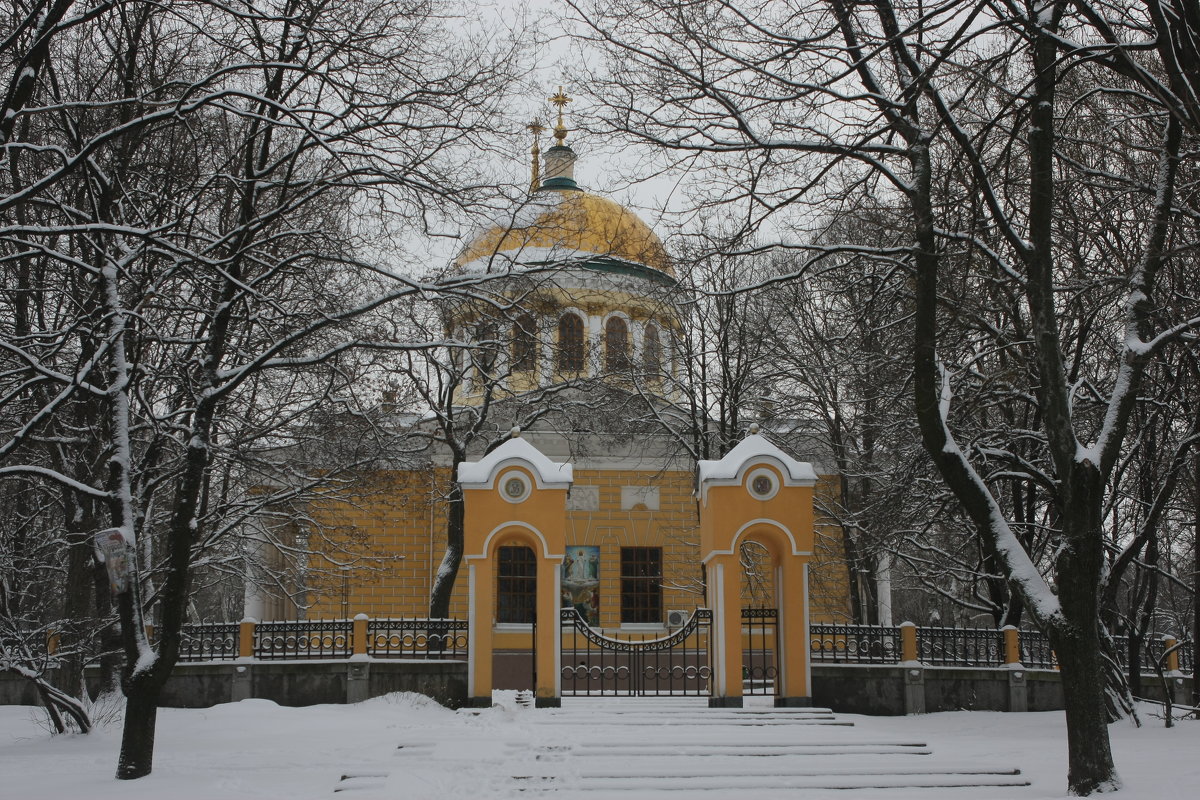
<point>581,582</point>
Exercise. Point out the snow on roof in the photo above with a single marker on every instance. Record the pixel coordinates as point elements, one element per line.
<point>547,472</point>
<point>527,256</point>
<point>522,213</point>
<point>754,448</point>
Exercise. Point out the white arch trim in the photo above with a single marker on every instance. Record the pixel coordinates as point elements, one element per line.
<point>739,475</point>
<point>487,541</point>
<point>754,450</point>
<point>547,474</point>
<point>766,523</point>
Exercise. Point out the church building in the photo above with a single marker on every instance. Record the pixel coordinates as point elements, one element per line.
<point>578,336</point>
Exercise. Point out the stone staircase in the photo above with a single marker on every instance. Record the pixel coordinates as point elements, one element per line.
<point>631,748</point>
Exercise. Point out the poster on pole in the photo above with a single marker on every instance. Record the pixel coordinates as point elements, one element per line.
<point>114,552</point>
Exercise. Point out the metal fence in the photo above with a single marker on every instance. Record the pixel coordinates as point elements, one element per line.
<point>209,641</point>
<point>417,638</point>
<point>1036,652</point>
<point>304,639</point>
<point>760,670</point>
<point>854,644</point>
<point>962,647</point>
<point>636,665</point>
<point>828,643</point>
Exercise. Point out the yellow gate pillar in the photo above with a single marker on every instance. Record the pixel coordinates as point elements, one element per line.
<point>758,492</point>
<point>514,495</point>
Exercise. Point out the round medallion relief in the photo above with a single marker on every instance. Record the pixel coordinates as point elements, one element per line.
<point>514,488</point>
<point>762,484</point>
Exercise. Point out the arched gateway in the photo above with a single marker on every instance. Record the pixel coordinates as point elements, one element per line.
<point>515,504</point>
<point>756,499</point>
<point>757,493</point>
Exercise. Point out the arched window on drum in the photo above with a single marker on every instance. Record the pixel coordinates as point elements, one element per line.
<point>484,352</point>
<point>616,345</point>
<point>570,343</point>
<point>524,344</point>
<point>652,352</point>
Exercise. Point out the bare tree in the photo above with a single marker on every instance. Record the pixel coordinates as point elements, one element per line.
<point>199,171</point>
<point>794,106</point>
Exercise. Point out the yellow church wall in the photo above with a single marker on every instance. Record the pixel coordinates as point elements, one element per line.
<point>394,527</point>
<point>397,520</point>
<point>671,527</point>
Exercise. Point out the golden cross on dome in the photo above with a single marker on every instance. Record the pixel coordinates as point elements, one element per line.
<point>536,128</point>
<point>560,100</point>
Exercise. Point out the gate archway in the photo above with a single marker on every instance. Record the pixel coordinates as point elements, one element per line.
<point>757,493</point>
<point>514,513</point>
<point>760,617</point>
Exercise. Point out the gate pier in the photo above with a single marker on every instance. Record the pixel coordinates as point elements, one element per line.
<point>758,493</point>
<point>514,497</point>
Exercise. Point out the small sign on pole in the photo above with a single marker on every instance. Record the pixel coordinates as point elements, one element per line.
<point>114,552</point>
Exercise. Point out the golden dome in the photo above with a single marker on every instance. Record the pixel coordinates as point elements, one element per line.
<point>559,224</point>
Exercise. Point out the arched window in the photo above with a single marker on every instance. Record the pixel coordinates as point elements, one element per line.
<point>485,350</point>
<point>570,343</point>
<point>616,345</point>
<point>456,353</point>
<point>524,344</point>
<point>516,584</point>
<point>652,351</point>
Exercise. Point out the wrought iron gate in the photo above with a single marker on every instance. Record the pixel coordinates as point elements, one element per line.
<point>676,664</point>
<point>760,661</point>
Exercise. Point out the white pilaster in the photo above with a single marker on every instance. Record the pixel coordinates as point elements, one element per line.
<point>472,629</point>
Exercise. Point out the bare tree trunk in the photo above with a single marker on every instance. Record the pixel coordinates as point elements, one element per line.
<point>1196,582</point>
<point>78,622</point>
<point>443,582</point>
<point>1089,756</point>
<point>137,736</point>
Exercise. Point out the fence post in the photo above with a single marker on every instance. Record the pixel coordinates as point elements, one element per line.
<point>914,670</point>
<point>908,641</point>
<point>358,635</point>
<point>1172,664</point>
<point>246,638</point>
<point>1018,691</point>
<point>358,671</point>
<point>241,684</point>
<point>1012,645</point>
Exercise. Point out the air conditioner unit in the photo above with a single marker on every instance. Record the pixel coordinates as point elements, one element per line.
<point>677,618</point>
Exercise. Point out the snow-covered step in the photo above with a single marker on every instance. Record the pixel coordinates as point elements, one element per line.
<point>741,750</point>
<point>626,722</point>
<point>752,785</point>
<point>706,713</point>
<point>718,769</point>
<point>678,748</point>
<point>361,781</point>
<point>745,783</point>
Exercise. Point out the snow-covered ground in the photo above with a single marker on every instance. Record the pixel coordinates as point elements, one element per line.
<point>406,747</point>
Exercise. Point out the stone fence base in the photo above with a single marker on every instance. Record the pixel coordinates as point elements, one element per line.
<point>891,689</point>
<point>895,689</point>
<point>291,683</point>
